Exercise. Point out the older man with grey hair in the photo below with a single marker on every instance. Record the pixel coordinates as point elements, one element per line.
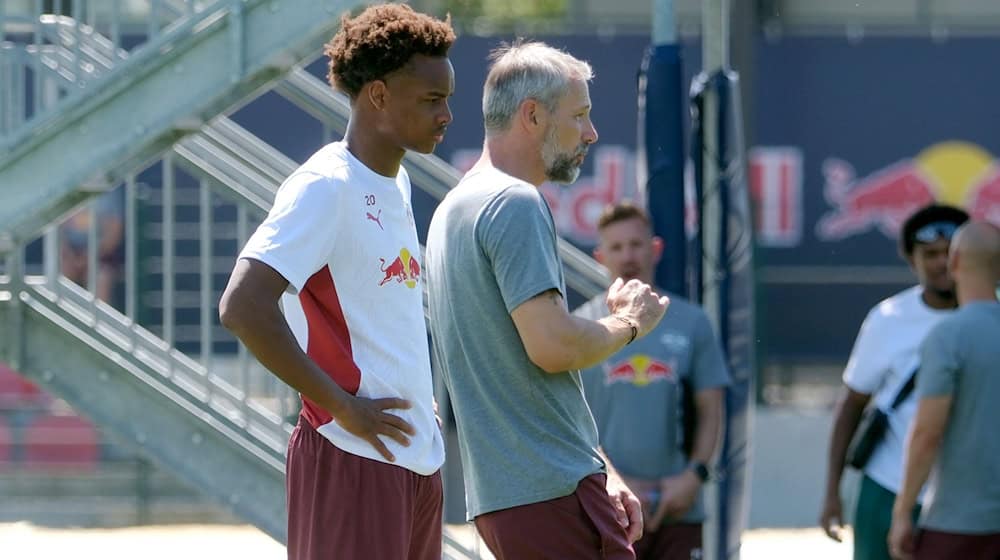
<point>537,484</point>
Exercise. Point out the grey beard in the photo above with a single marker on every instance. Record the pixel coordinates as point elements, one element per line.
<point>563,170</point>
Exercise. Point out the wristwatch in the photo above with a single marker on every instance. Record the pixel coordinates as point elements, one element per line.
<point>700,470</point>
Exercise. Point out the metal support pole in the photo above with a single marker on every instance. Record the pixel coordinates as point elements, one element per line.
<point>715,26</point>
<point>205,226</point>
<point>167,269</point>
<point>664,22</point>
<point>715,57</point>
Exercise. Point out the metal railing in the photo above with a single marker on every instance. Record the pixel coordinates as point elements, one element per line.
<point>90,34</point>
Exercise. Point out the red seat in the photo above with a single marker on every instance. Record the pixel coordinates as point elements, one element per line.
<point>18,392</point>
<point>61,441</point>
<point>6,444</point>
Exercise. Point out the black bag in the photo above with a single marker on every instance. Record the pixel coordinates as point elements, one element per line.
<point>872,427</point>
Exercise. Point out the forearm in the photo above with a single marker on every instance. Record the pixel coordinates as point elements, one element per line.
<point>608,467</point>
<point>920,454</point>
<point>708,429</point>
<point>556,341</point>
<point>263,330</point>
<point>587,343</point>
<point>846,419</point>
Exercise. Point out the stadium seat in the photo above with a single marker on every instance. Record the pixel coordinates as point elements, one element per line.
<point>18,392</point>
<point>61,441</point>
<point>6,444</point>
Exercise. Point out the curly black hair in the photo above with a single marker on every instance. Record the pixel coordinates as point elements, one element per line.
<point>380,40</point>
<point>927,215</point>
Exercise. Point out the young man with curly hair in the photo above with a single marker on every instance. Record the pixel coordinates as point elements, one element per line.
<point>339,248</point>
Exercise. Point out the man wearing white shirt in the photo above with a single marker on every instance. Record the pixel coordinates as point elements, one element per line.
<point>339,249</point>
<point>885,356</point>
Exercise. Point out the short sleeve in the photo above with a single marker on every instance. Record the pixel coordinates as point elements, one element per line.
<point>867,366</point>
<point>515,233</point>
<point>298,235</point>
<point>709,369</point>
<point>940,361</point>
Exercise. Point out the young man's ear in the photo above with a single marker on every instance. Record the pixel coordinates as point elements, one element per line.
<point>657,249</point>
<point>376,92</point>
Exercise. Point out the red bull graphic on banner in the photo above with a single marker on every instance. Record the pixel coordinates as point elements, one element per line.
<point>953,172</point>
<point>405,268</point>
<point>639,370</point>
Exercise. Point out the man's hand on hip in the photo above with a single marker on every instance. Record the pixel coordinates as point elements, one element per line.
<point>367,419</point>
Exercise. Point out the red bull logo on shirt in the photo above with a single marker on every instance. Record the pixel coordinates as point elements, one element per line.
<point>639,370</point>
<point>405,268</point>
<point>957,173</point>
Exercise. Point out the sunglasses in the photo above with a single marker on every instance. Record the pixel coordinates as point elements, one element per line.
<point>934,231</point>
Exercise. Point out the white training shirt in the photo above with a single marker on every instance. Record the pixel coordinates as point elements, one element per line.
<point>344,238</point>
<point>885,353</point>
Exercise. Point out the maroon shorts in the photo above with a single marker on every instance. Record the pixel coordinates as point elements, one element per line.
<point>936,545</point>
<point>670,542</point>
<point>581,526</point>
<point>342,506</point>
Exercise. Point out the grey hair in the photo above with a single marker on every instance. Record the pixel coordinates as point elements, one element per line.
<point>527,70</point>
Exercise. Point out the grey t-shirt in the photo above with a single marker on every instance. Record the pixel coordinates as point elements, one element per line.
<point>636,394</point>
<point>525,435</point>
<point>961,357</point>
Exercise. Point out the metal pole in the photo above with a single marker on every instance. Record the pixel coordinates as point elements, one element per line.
<point>205,225</point>
<point>131,248</point>
<point>51,255</point>
<point>168,252</point>
<point>116,34</point>
<point>243,355</point>
<point>715,57</point>
<point>14,327</point>
<point>8,84</point>
<point>36,63</point>
<point>664,23</point>
<point>76,12</point>
<point>93,246</point>
<point>660,154</point>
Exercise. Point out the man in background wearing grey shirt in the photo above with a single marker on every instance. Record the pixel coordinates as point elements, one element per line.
<point>657,402</point>
<point>537,484</point>
<point>955,429</point>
